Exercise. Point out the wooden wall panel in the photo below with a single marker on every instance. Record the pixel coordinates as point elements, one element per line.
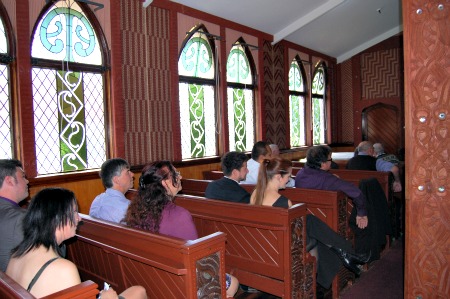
<point>427,105</point>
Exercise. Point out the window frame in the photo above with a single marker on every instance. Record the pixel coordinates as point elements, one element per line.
<point>320,65</point>
<point>243,86</point>
<point>303,94</point>
<point>104,70</point>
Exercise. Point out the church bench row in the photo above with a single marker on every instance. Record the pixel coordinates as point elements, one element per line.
<point>10,289</point>
<point>329,206</point>
<point>166,267</point>
<point>265,248</point>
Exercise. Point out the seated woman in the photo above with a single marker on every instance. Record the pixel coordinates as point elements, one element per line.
<point>153,209</point>
<point>37,263</point>
<point>330,249</point>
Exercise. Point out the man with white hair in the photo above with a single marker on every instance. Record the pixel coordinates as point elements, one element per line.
<point>380,154</point>
<point>365,160</point>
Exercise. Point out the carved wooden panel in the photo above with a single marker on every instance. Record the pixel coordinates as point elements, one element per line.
<point>427,106</point>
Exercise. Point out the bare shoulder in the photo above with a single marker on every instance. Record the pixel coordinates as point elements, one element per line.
<point>59,275</point>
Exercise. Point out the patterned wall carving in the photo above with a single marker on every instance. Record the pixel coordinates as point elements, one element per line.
<point>347,102</point>
<point>146,83</point>
<point>380,75</point>
<point>427,97</point>
<point>275,105</point>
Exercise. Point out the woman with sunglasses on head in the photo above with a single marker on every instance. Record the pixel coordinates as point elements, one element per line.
<point>37,263</point>
<point>153,208</point>
<point>330,249</point>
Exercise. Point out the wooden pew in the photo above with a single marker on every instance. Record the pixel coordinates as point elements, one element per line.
<point>10,289</point>
<point>212,174</point>
<point>266,247</point>
<point>166,267</point>
<point>329,206</point>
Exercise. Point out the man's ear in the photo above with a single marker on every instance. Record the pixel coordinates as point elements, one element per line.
<point>115,180</point>
<point>9,180</point>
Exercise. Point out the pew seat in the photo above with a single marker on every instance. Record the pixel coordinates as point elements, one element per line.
<point>10,289</point>
<point>266,246</point>
<point>166,267</point>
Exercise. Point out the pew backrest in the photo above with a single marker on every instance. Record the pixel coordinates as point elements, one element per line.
<point>266,246</point>
<point>166,267</point>
<point>10,289</point>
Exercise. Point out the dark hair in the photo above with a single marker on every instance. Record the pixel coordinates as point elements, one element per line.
<point>259,148</point>
<point>316,155</point>
<point>231,161</point>
<point>152,196</point>
<point>49,209</point>
<point>8,168</point>
<point>267,170</point>
<point>111,168</point>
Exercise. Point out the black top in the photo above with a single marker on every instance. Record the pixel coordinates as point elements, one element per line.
<point>281,202</point>
<point>228,190</point>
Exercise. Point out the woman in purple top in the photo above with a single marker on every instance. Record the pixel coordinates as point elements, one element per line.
<point>154,210</point>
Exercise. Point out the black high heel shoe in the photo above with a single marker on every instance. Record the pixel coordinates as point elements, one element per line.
<point>351,260</point>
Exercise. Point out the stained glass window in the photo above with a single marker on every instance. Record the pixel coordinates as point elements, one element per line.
<point>196,69</point>
<point>68,96</point>
<point>240,99</point>
<point>297,95</point>
<point>318,105</point>
<point>6,145</point>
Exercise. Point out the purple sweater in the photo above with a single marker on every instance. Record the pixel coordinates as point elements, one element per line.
<point>310,178</point>
<point>177,222</point>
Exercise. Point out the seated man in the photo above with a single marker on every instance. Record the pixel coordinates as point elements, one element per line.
<point>112,204</point>
<point>260,151</point>
<point>364,160</point>
<point>13,189</point>
<point>234,167</point>
<point>315,175</point>
<point>379,153</point>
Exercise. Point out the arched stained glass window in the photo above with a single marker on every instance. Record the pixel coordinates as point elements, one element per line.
<point>240,94</point>
<point>297,96</point>
<point>197,81</point>
<point>318,104</point>
<point>6,145</point>
<point>68,91</point>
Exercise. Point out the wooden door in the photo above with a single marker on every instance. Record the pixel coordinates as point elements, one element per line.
<point>382,123</point>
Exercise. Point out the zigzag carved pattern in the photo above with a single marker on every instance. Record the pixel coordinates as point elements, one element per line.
<point>380,74</point>
<point>146,83</point>
<point>274,76</point>
<point>347,101</point>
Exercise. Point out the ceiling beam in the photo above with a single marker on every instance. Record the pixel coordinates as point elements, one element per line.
<point>308,18</point>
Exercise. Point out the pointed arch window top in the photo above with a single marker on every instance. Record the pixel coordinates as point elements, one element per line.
<point>196,58</point>
<point>295,78</point>
<point>238,66</point>
<point>64,33</point>
<point>318,84</point>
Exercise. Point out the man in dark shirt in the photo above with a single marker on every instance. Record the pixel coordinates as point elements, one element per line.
<point>234,167</point>
<point>364,160</point>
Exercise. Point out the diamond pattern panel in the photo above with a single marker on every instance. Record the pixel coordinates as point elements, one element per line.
<point>5,120</point>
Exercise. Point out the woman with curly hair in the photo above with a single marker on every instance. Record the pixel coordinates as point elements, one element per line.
<point>153,208</point>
